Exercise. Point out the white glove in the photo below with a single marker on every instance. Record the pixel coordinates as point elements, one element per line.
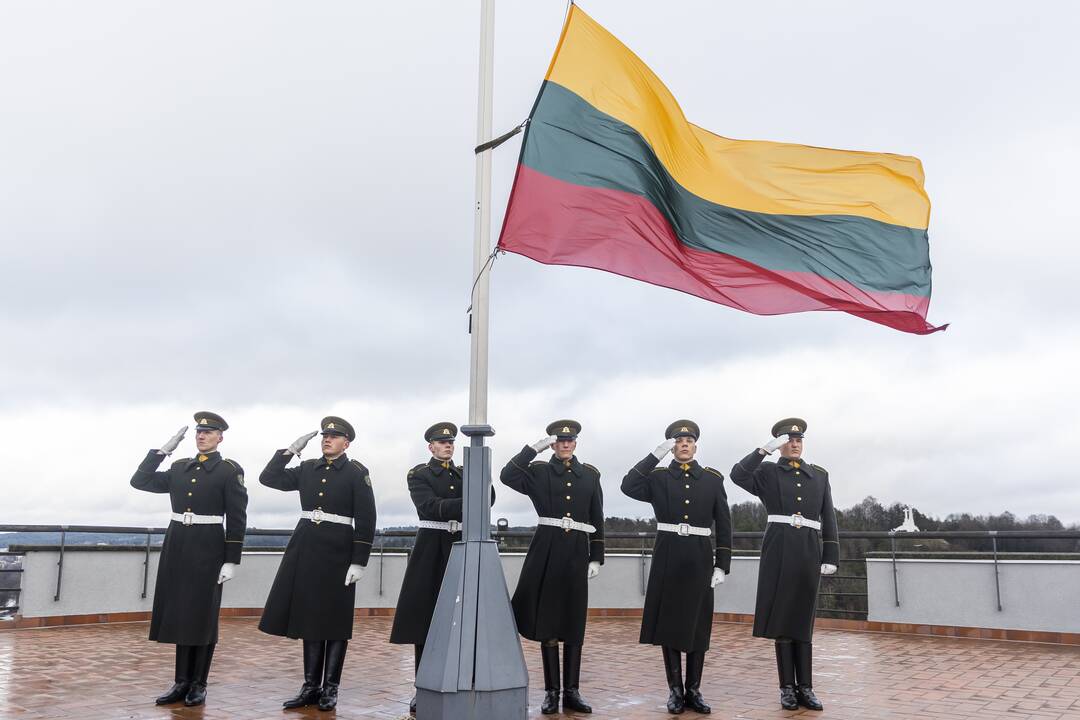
<point>355,573</point>
<point>827,569</point>
<point>544,443</point>
<point>717,577</point>
<point>227,572</point>
<point>663,449</point>
<point>171,443</point>
<point>774,444</point>
<point>300,442</point>
<point>594,569</point>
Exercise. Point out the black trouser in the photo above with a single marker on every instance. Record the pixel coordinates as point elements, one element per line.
<point>795,662</point>
<point>695,666</point>
<point>320,654</point>
<point>193,663</point>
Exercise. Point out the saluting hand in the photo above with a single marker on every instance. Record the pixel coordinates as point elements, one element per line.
<point>300,442</point>
<point>827,569</point>
<point>663,449</point>
<point>544,443</point>
<point>355,573</point>
<point>594,569</point>
<point>171,443</point>
<point>774,444</point>
<point>717,577</point>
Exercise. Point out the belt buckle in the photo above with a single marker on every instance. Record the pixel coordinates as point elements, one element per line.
<point>566,523</point>
<point>189,518</point>
<point>684,529</point>
<point>797,521</point>
<point>317,515</point>
<point>455,526</point>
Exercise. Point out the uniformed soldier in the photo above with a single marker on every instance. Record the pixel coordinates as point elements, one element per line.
<point>800,545</point>
<point>314,591</point>
<point>198,554</point>
<point>688,501</point>
<point>552,596</point>
<point>436,491</point>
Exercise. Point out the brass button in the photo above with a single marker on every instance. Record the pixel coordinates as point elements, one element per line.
<point>796,472</point>
<point>451,487</point>
<point>798,513</point>
<point>798,484</point>
<point>198,467</point>
<point>685,517</point>
<point>189,494</point>
<point>798,499</point>
<point>567,484</point>
<point>687,487</point>
<point>324,479</point>
<point>189,509</point>
<point>686,501</point>
<point>567,514</point>
<point>194,480</point>
<point>567,497</point>
<point>320,494</point>
<point>686,474</point>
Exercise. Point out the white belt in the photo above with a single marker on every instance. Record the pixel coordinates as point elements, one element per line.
<point>683,529</point>
<point>318,516</point>
<point>190,518</point>
<point>795,521</point>
<point>450,526</point>
<point>566,524</point>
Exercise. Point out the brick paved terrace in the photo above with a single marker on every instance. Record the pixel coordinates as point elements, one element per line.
<point>111,671</point>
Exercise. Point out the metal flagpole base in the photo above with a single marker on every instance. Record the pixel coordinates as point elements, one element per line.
<point>473,667</point>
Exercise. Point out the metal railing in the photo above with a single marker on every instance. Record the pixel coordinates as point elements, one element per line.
<point>849,584</point>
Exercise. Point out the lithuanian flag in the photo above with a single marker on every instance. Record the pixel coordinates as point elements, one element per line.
<point>612,176</point>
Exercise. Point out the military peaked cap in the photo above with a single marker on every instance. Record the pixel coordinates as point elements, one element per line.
<point>682,428</point>
<point>337,426</point>
<point>564,429</point>
<point>441,431</point>
<point>206,420</point>
<point>792,427</point>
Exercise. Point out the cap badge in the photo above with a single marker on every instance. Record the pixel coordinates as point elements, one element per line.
<point>203,421</point>
<point>446,431</point>
<point>795,428</point>
<point>566,428</point>
<point>329,426</point>
<point>684,429</point>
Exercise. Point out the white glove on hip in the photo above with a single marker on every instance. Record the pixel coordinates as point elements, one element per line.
<point>544,443</point>
<point>594,569</point>
<point>663,449</point>
<point>774,444</point>
<point>827,569</point>
<point>717,577</point>
<point>300,442</point>
<point>171,443</point>
<point>227,572</point>
<point>355,573</point>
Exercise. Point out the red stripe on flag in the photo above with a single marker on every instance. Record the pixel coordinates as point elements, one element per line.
<point>559,223</point>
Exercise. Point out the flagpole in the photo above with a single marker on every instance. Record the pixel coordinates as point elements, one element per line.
<point>478,318</point>
<point>473,667</point>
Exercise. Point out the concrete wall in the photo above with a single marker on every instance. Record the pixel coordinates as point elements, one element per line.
<point>110,581</point>
<point>1035,594</point>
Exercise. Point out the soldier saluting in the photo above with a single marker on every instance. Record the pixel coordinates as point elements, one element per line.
<point>688,500</point>
<point>436,491</point>
<point>800,545</point>
<point>314,591</point>
<point>552,596</point>
<point>198,554</point>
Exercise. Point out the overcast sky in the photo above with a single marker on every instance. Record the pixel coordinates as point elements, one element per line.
<point>264,209</point>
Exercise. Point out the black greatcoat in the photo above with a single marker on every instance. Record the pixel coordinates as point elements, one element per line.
<point>552,595</point>
<point>187,596</point>
<point>791,557</point>
<point>678,600</point>
<point>309,598</point>
<point>437,494</point>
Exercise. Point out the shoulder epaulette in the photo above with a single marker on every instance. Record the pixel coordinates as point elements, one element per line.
<point>181,461</point>
<point>233,463</point>
<point>358,464</point>
<point>818,467</point>
<point>312,461</point>
<point>591,467</point>
<point>417,467</point>
<point>714,472</point>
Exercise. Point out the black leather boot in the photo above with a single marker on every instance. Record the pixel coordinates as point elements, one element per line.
<point>550,655</point>
<point>804,674</point>
<point>181,678</point>
<point>335,662</point>
<point>418,654</point>
<point>676,701</point>
<point>695,664</point>
<point>201,657</point>
<point>571,698</point>
<point>314,652</point>
<point>785,669</point>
